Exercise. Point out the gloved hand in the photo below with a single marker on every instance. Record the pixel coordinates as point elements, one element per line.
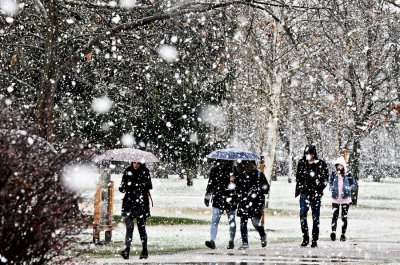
<point>207,200</point>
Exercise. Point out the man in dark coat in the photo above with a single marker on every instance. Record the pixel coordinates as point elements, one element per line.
<point>221,189</point>
<point>136,184</point>
<point>311,180</point>
<point>252,186</point>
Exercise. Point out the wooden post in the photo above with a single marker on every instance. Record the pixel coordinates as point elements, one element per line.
<point>97,213</point>
<point>110,206</point>
<point>98,225</point>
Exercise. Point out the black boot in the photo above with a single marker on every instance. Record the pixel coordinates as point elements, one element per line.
<point>210,244</point>
<point>144,254</point>
<point>125,253</point>
<point>306,240</point>
<point>231,245</point>
<point>342,237</point>
<point>333,236</point>
<point>264,241</point>
<point>314,244</point>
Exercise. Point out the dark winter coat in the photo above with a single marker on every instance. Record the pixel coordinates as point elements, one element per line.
<point>136,185</point>
<point>349,185</point>
<point>252,187</point>
<point>221,189</point>
<point>311,179</point>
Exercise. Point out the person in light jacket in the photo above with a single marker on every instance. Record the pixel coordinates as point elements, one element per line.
<point>341,184</point>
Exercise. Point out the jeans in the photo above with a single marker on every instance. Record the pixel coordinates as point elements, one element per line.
<point>141,222</point>
<point>243,229</point>
<point>305,203</point>
<point>216,216</point>
<point>335,210</point>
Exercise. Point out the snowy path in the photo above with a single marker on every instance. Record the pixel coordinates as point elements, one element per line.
<point>373,232</point>
<point>289,253</point>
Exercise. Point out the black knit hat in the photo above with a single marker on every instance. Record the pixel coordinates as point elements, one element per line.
<point>312,150</point>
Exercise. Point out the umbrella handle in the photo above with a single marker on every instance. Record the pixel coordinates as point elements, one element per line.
<point>151,199</point>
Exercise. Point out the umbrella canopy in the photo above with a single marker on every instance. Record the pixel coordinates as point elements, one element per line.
<point>233,154</point>
<point>127,155</point>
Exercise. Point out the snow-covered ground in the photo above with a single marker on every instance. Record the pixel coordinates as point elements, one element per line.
<point>375,220</point>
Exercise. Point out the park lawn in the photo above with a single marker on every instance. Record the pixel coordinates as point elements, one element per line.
<point>180,221</point>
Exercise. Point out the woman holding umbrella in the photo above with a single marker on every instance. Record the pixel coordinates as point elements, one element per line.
<point>136,184</point>
<point>252,186</point>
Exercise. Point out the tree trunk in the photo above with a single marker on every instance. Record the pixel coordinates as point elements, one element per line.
<point>291,160</point>
<point>289,146</point>
<point>275,85</point>
<point>276,88</point>
<point>44,117</point>
<point>261,132</point>
<point>355,165</point>
<point>273,128</point>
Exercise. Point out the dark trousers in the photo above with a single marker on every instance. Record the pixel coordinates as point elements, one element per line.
<point>141,222</point>
<point>305,203</point>
<point>335,210</point>
<point>243,228</point>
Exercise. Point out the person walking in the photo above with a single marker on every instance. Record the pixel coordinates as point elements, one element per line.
<point>311,179</point>
<point>341,184</point>
<point>252,187</point>
<point>136,184</point>
<point>221,190</point>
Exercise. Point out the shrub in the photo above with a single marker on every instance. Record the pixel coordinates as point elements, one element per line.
<point>39,215</point>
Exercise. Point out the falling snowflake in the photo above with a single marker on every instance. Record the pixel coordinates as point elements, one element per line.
<point>9,20</point>
<point>9,7</point>
<point>168,53</point>
<point>101,105</point>
<point>127,3</point>
<point>128,140</point>
<point>80,177</point>
<point>116,19</point>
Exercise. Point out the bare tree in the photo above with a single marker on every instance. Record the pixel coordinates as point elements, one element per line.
<point>349,73</point>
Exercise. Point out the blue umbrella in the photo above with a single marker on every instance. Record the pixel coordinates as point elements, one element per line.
<point>233,154</point>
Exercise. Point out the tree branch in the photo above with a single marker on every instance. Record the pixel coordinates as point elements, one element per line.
<point>137,23</point>
<point>393,2</point>
<point>19,81</point>
<point>41,8</point>
<point>23,45</point>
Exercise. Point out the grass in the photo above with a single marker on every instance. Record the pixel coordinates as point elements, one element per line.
<point>163,220</point>
<point>383,180</point>
<point>370,207</point>
<point>279,212</point>
<point>160,220</point>
<point>285,240</point>
<point>380,198</point>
